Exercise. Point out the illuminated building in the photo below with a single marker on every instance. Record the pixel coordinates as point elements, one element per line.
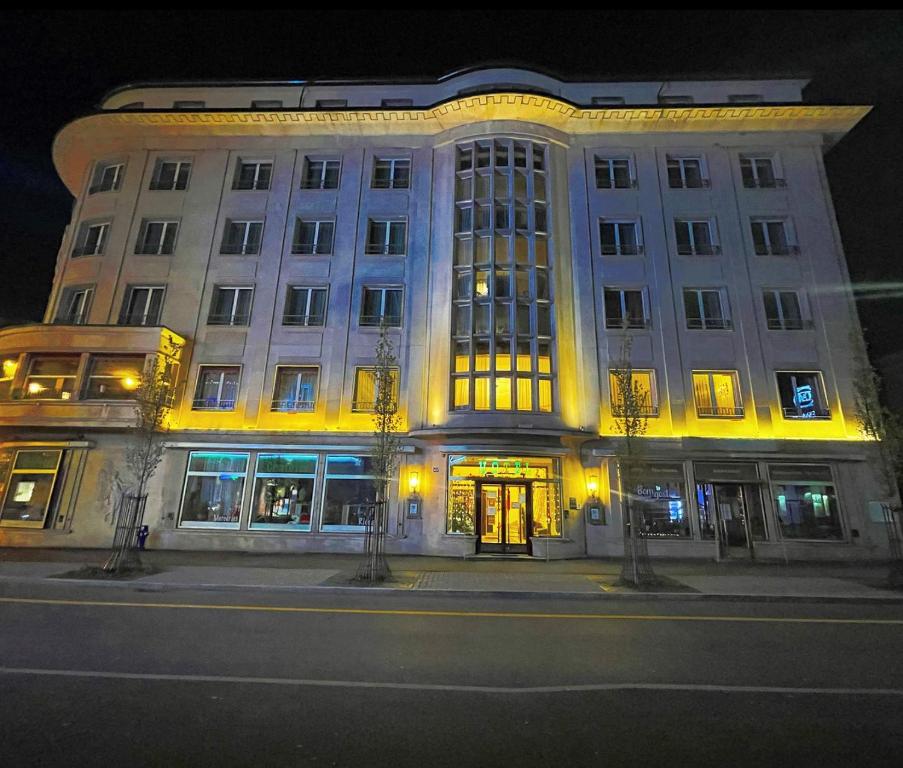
<point>512,229</point>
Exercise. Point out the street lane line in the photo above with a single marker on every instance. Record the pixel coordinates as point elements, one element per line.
<point>302,682</point>
<point>447,614</point>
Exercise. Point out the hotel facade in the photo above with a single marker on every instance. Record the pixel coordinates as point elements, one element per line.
<point>520,237</point>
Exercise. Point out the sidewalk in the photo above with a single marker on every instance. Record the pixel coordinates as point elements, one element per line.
<point>821,582</point>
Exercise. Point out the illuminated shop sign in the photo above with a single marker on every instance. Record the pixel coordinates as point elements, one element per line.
<point>658,492</point>
<point>804,400</point>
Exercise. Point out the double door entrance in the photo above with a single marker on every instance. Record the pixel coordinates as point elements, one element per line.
<point>504,518</point>
<point>731,513</point>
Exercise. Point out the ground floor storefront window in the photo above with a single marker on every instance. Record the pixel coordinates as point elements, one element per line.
<point>32,478</point>
<point>350,493</point>
<point>283,491</point>
<point>805,502</point>
<point>214,489</point>
<point>660,498</point>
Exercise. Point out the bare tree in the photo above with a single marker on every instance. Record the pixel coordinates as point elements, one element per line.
<point>631,408</point>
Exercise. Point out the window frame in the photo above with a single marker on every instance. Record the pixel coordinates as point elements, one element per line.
<point>697,249</point>
<point>318,225</point>
<point>299,367</point>
<point>383,290</point>
<point>234,319</point>
<point>394,163</point>
<point>680,159</point>
<point>202,368</point>
<point>356,404</point>
<point>241,163</point>
<point>791,246</point>
<point>326,162</point>
<point>74,377</point>
<point>624,322</point>
<point>821,414</point>
<point>141,244</point>
<point>243,248</point>
<point>290,289</point>
<point>64,315</point>
<point>13,471</point>
<point>130,289</point>
<point>89,376</point>
<point>374,249</point>
<point>751,158</point>
<point>739,410</point>
<point>241,503</point>
<point>608,159</point>
<point>705,324</point>
<point>652,411</point>
<point>155,183</point>
<point>621,249</point>
<point>780,323</point>
<point>84,231</point>
<point>100,170</point>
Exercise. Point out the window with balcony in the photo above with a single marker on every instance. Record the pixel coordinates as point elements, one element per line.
<point>686,172</point>
<point>782,310</point>
<point>802,395</point>
<point>626,308</point>
<point>217,388</point>
<point>305,306</point>
<point>313,237</point>
<point>113,377</point>
<point>642,384</point>
<point>717,394</point>
<point>296,389</point>
<point>107,177</point>
<point>253,175</point>
<point>91,240</point>
<point>320,174</point>
<point>231,305</point>
<point>157,237</point>
<point>74,306</point>
<point>171,175</point>
<point>614,173</point>
<point>759,172</point>
<point>706,309</point>
<point>773,237</point>
<point>242,238</point>
<point>142,305</point>
<point>695,237</point>
<point>386,236</point>
<point>382,306</point>
<point>366,389</point>
<point>51,377</point>
<point>391,173</point>
<point>619,238</point>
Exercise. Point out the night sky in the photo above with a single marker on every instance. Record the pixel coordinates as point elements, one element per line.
<point>55,67</point>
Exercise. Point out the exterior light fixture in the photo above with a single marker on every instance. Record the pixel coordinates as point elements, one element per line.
<point>9,368</point>
<point>413,482</point>
<point>130,383</point>
<point>34,388</point>
<point>592,485</point>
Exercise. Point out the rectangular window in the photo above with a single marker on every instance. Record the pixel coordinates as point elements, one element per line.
<point>695,237</point>
<point>171,175</point>
<point>157,237</point>
<point>114,377</point>
<point>365,389</point>
<point>142,305</point>
<point>660,498</point>
<point>217,388</point>
<point>391,173</point>
<point>381,306</point>
<point>91,239</point>
<point>619,238</point>
<point>802,395</point>
<point>30,491</point>
<point>717,393</point>
<point>782,310</point>
<point>313,237</point>
<point>772,237</point>
<point>214,489</point>
<point>74,306</point>
<point>758,172</point>
<point>8,370</point>
<point>107,177</point>
<point>706,308</point>
<point>283,492</point>
<point>625,308</point>
<point>386,237</point>
<point>686,173</point>
<point>231,306</point>
<point>644,395</point>
<point>806,502</point>
<point>51,378</point>
<point>320,174</point>
<point>614,173</point>
<point>296,389</point>
<point>305,306</point>
<point>252,175</point>
<point>242,237</point>
<point>350,493</point>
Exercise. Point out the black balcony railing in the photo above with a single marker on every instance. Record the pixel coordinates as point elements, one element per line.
<point>722,411</point>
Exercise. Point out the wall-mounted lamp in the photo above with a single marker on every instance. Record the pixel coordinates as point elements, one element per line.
<point>9,368</point>
<point>413,482</point>
<point>592,485</point>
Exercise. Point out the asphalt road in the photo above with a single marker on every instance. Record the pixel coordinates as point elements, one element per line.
<point>102,676</point>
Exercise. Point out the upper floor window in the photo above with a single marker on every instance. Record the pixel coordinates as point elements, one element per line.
<point>217,388</point>
<point>157,237</point>
<point>391,173</point>
<point>92,237</point>
<point>614,173</point>
<point>802,395</point>
<point>381,306</point>
<point>366,389</point>
<point>231,305</point>
<point>252,175</point>
<point>386,236</point>
<point>295,389</point>
<point>313,237</point>
<point>625,308</point>
<point>619,238</point>
<point>74,305</point>
<point>171,175</point>
<point>266,104</point>
<point>188,104</point>
<point>51,377</point>
<point>706,308</point>
<point>645,397</point>
<point>686,172</point>
<point>758,171</point>
<point>113,377</point>
<point>320,174</point>
<point>305,306</point>
<point>782,310</point>
<point>331,103</point>
<point>717,393</point>
<point>107,177</point>
<point>695,237</point>
<point>772,237</point>
<point>242,237</point>
<point>142,305</point>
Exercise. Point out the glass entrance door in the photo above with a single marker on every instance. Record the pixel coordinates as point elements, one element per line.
<point>732,513</point>
<point>504,517</point>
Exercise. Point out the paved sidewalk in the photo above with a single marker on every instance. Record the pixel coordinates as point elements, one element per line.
<point>565,578</point>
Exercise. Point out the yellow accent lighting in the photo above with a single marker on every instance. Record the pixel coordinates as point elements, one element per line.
<point>592,485</point>
<point>413,481</point>
<point>34,388</point>
<point>9,368</point>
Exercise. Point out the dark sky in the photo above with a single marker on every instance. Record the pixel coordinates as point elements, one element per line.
<point>56,66</point>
